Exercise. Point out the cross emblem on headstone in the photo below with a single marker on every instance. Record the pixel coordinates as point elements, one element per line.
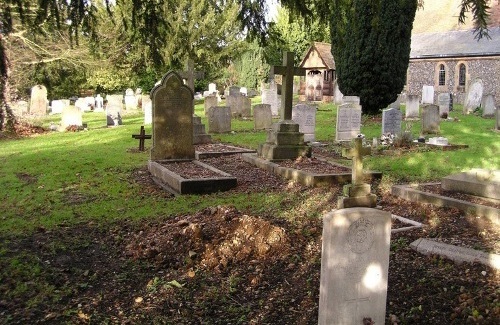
<point>190,75</point>
<point>142,136</point>
<point>356,153</point>
<point>287,70</point>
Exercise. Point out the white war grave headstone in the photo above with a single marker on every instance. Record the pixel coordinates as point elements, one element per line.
<point>428,95</point>
<point>444,104</point>
<point>262,116</point>
<point>38,100</point>
<point>219,119</point>
<point>172,119</point>
<point>488,105</point>
<point>354,258</point>
<point>57,106</point>
<point>391,121</point>
<point>430,119</point>
<point>212,88</point>
<point>82,105</point>
<point>305,116</point>
<point>412,106</point>
<point>473,96</point>
<point>131,102</point>
<point>71,116</point>
<point>99,104</point>
<point>147,107</point>
<point>348,124</point>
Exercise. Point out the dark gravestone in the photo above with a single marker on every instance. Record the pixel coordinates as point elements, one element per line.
<point>172,119</point>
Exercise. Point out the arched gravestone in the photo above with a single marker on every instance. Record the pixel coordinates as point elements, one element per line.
<point>172,119</point>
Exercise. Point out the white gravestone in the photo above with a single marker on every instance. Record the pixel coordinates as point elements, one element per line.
<point>338,96</point>
<point>488,105</point>
<point>391,121</point>
<point>428,95</point>
<point>99,104</point>
<point>444,103</point>
<point>147,106</point>
<point>270,96</point>
<point>348,124</point>
<point>354,266</point>
<point>212,88</point>
<point>71,116</point>
<point>219,119</point>
<point>430,119</point>
<point>38,100</point>
<point>81,104</point>
<point>244,91</point>
<point>473,96</point>
<point>262,116</point>
<point>412,106</point>
<point>305,116</point>
<point>57,106</point>
<point>114,111</point>
<point>131,102</point>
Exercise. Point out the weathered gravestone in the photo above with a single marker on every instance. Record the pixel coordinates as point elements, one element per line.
<point>262,116</point>
<point>38,100</point>
<point>270,96</point>
<point>430,119</point>
<point>338,97</point>
<point>444,104</point>
<point>219,119</point>
<point>473,96</point>
<point>355,254</point>
<point>57,106</point>
<point>114,111</point>
<point>412,106</point>
<point>391,121</point>
<point>488,106</point>
<point>234,90</point>
<point>428,95</point>
<point>210,101</point>
<point>71,116</point>
<point>99,103</point>
<point>305,116</point>
<point>395,104</point>
<point>284,140</point>
<point>131,102</point>
<point>348,124</point>
<point>241,106</point>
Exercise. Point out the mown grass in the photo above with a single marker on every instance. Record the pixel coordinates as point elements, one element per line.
<point>72,177</point>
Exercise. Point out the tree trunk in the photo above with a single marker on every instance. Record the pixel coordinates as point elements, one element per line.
<point>7,118</point>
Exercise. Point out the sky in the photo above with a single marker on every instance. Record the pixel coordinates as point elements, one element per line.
<point>273,9</point>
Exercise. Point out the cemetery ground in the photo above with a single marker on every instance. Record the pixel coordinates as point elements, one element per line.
<point>86,236</point>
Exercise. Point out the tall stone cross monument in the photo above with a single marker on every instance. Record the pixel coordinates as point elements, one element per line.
<point>190,75</point>
<point>358,193</point>
<point>284,141</point>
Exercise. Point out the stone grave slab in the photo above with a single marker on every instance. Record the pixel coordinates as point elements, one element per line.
<point>38,100</point>
<point>391,121</point>
<point>262,116</point>
<point>114,111</point>
<point>147,107</point>
<point>354,266</point>
<point>473,96</point>
<point>270,96</point>
<point>131,102</point>
<point>479,182</point>
<point>488,106</point>
<point>428,95</point>
<point>71,116</point>
<point>210,101</point>
<point>305,116</point>
<point>456,253</point>
<point>218,150</point>
<point>444,103</point>
<point>241,106</point>
<point>412,107</point>
<point>348,124</point>
<point>219,119</point>
<point>199,133</point>
<point>430,119</point>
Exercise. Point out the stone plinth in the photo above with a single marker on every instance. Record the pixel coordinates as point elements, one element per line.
<point>284,141</point>
<point>199,133</point>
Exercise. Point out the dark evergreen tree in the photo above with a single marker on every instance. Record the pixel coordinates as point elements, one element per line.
<point>371,47</point>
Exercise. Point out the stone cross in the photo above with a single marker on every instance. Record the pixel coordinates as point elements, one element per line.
<point>190,75</point>
<point>287,70</point>
<point>142,136</point>
<point>357,153</point>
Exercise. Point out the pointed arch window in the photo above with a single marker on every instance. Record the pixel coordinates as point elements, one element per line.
<point>461,75</point>
<point>442,75</point>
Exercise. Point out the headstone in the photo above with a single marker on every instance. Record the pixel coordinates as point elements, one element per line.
<point>305,116</point>
<point>428,95</point>
<point>354,266</point>
<point>262,116</point>
<point>210,101</point>
<point>430,119</point>
<point>338,96</point>
<point>114,111</point>
<point>444,104</point>
<point>412,106</point>
<point>244,91</point>
<point>270,96</point>
<point>488,105</point>
<point>212,88</point>
<point>391,121</point>
<point>99,104</point>
<point>147,107</point>
<point>241,106</point>
<point>57,106</point>
<point>348,124</point>
<point>199,134</point>
<point>82,105</point>
<point>251,93</point>
<point>473,96</point>
<point>396,104</point>
<point>172,119</point>
<point>234,90</point>
<point>90,100</point>
<point>130,100</point>
<point>219,119</point>
<point>38,100</point>
<point>71,116</point>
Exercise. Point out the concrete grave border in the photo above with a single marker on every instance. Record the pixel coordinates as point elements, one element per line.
<point>176,184</point>
<point>211,154</point>
<point>410,193</point>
